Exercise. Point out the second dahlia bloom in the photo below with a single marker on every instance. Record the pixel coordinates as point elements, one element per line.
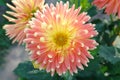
<point>59,39</point>
<point>22,12</point>
<point>111,6</point>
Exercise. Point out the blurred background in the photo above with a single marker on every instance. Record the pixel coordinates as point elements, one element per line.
<point>14,64</point>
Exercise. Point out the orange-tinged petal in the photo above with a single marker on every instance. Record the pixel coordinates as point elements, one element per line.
<point>111,6</point>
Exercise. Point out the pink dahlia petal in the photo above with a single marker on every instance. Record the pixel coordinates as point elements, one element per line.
<point>59,39</point>
<point>111,6</point>
<point>21,13</point>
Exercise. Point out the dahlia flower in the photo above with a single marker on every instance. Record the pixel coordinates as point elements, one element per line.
<point>22,12</point>
<point>111,6</point>
<point>59,39</point>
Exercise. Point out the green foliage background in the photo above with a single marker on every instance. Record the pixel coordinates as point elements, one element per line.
<point>4,40</point>
<point>105,66</point>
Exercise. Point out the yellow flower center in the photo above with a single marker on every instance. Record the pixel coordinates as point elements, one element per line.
<point>60,39</point>
<point>28,14</point>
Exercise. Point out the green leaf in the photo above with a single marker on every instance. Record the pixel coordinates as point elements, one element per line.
<point>91,71</point>
<point>63,0</point>
<point>85,4</point>
<point>104,69</point>
<point>20,78</point>
<point>95,51</point>
<point>109,54</point>
<point>26,70</point>
<point>92,11</point>
<point>76,3</point>
<point>114,69</point>
<point>2,2</point>
<point>114,77</point>
<point>100,25</point>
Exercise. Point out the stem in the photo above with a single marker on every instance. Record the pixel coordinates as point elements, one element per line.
<point>111,18</point>
<point>76,3</point>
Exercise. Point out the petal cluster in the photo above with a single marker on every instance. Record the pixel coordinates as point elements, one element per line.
<point>59,39</point>
<point>22,12</point>
<point>111,6</point>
